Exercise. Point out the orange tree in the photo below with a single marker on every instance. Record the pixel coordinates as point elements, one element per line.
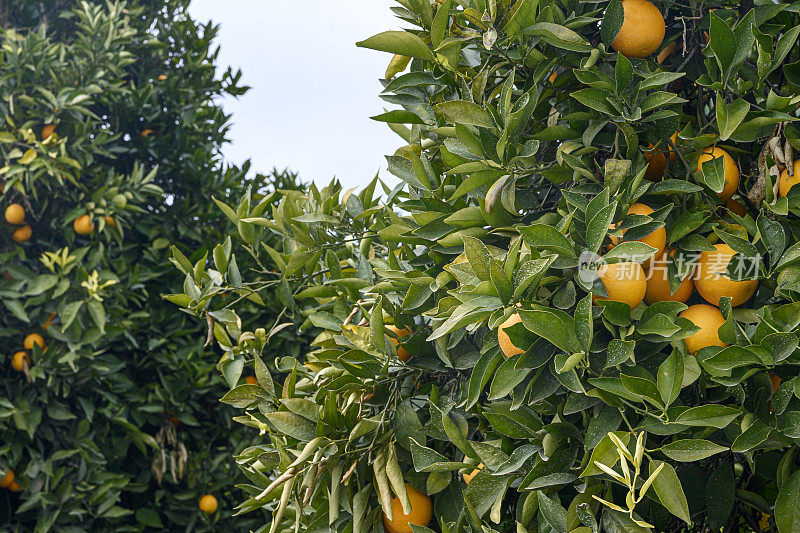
<point>110,145</point>
<point>563,162</point>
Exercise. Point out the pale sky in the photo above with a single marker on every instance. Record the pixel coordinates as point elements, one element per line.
<point>313,90</point>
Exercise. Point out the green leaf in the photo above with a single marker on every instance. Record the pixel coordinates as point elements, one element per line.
<point>398,42</point>
<point>292,424</point>
<point>464,112</point>
<point>594,99</point>
<point>670,493</point>
<point>69,314</point>
<point>559,36</point>
<point>148,517</point>
<point>717,416</point>
<point>670,377</point>
<point>690,450</point>
<point>17,309</point>
<point>399,116</point>
<point>554,514</point>
<point>752,437</point>
<point>729,116</point>
<point>554,325</point>
<point>618,352</point>
<point>612,22</point>
<point>544,237</point>
<point>584,323</point>
<point>720,494</point>
<point>597,228</point>
<point>429,460</point>
<point>787,505</point>
<point>440,20</point>
<point>723,43</point>
<point>713,174</point>
<point>41,284</point>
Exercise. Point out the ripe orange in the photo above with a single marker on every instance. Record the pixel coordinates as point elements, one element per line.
<point>14,487</point>
<point>657,158</point>
<point>786,182</point>
<point>624,282</point>
<point>15,214</point>
<point>48,130</point>
<point>7,479</point>
<point>146,132</point>
<point>420,515</point>
<point>251,380</point>
<point>19,360</point>
<point>208,504</point>
<point>21,234</point>
<point>110,221</point>
<point>709,320</point>
<point>642,31</point>
<point>468,477</point>
<point>776,382</point>
<point>506,346</point>
<point>712,280</point>
<point>736,207</point>
<point>162,77</point>
<point>658,289</point>
<point>731,171</point>
<point>657,239</point>
<point>402,353</point>
<point>34,338</point>
<point>83,225</point>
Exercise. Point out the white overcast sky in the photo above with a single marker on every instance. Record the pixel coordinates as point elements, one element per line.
<point>312,90</point>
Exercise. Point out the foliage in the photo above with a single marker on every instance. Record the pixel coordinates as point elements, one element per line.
<point>528,139</point>
<point>114,425</point>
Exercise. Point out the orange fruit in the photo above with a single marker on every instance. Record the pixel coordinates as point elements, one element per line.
<point>110,221</point>
<point>658,289</point>
<point>7,479</point>
<point>736,207</point>
<point>19,360</point>
<point>83,225</point>
<point>642,30</point>
<point>15,214</point>
<point>506,346</point>
<point>146,132</point>
<point>774,379</point>
<point>34,338</point>
<point>420,515</point>
<point>468,477</point>
<point>48,130</point>
<point>208,504</point>
<point>786,182</point>
<point>251,380</point>
<point>624,282</point>
<point>14,487</point>
<point>657,239</point>
<point>731,171</point>
<point>712,280</point>
<point>709,320</point>
<point>657,158</point>
<point>162,77</point>
<point>402,353</point>
<point>21,234</point>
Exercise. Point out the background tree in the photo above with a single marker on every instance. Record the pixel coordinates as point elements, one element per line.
<point>565,161</point>
<point>110,145</point>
